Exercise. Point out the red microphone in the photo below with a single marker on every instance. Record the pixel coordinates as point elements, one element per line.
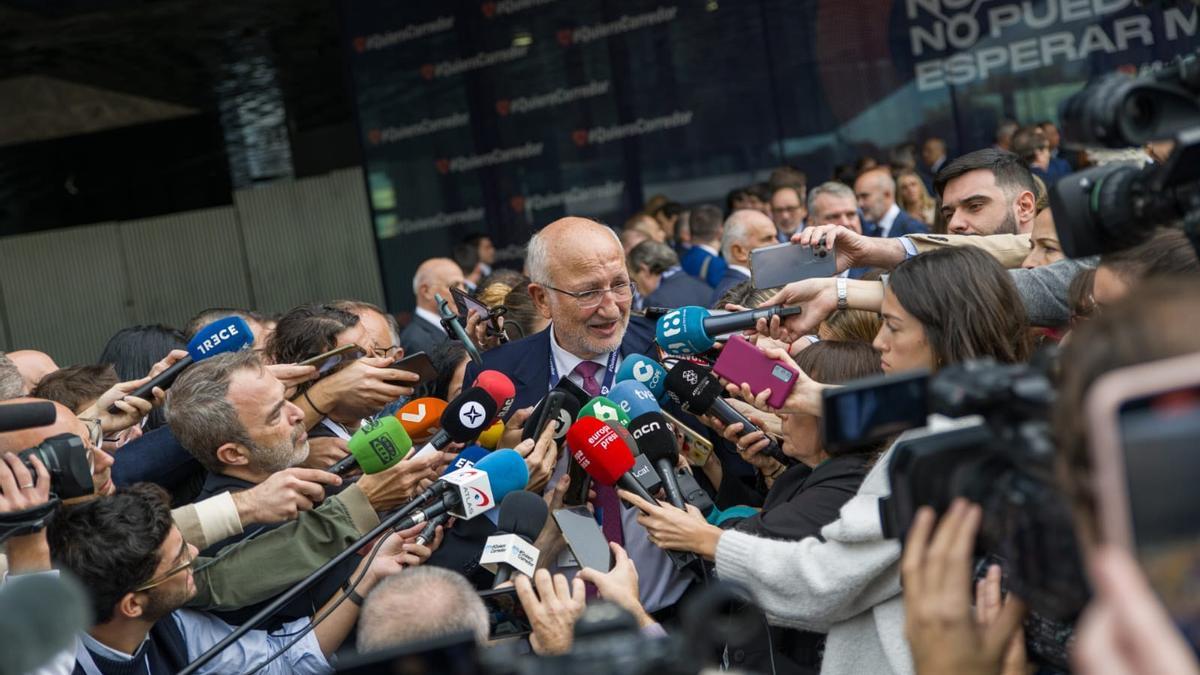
<point>600,451</point>
<point>500,388</point>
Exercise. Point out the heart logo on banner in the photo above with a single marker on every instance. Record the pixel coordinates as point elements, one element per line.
<point>360,44</point>
<point>427,71</point>
<point>488,9</point>
<point>374,136</point>
<point>566,37</point>
<point>517,203</point>
<point>580,137</point>
<point>502,106</point>
<point>443,166</point>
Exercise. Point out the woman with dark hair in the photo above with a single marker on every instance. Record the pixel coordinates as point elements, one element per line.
<point>449,359</point>
<point>133,351</point>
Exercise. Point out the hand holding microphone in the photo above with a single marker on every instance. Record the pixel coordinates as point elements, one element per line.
<point>694,330</point>
<point>674,529</point>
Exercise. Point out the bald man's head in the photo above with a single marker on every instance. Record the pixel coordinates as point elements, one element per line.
<point>876,193</point>
<point>65,422</point>
<point>33,366</point>
<point>746,230</point>
<point>435,277</point>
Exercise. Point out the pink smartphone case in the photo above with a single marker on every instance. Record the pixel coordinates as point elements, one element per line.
<point>740,361</point>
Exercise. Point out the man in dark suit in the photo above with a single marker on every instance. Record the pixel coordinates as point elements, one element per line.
<point>876,192</point>
<point>434,277</point>
<point>703,260</point>
<point>745,230</point>
<point>933,158</point>
<point>581,284</point>
<point>662,281</point>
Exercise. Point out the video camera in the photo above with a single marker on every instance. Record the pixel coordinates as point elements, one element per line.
<point>1109,208</point>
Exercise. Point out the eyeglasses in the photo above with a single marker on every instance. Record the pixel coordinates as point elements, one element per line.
<point>786,209</point>
<point>590,299</point>
<point>95,431</point>
<point>165,576</point>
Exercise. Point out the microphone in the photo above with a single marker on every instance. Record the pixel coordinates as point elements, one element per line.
<point>498,462</point>
<point>657,443</point>
<point>40,617</point>
<point>377,446</point>
<point>633,398</point>
<point>463,420</point>
<point>450,322</point>
<point>14,416</point>
<point>421,416</point>
<point>647,371</point>
<point>223,335</point>
<point>501,389</point>
<point>469,456</point>
<point>558,408</point>
<point>490,438</point>
<point>605,410</point>
<point>693,330</point>
<point>642,470</point>
<point>695,389</point>
<point>511,549</point>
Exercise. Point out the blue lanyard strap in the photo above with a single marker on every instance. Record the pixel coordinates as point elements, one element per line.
<point>610,372</point>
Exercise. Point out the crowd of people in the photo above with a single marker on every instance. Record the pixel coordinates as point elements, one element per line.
<point>212,497</point>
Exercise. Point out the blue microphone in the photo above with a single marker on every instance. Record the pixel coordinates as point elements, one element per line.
<point>223,335</point>
<point>506,471</point>
<point>469,456</point>
<point>647,371</point>
<point>634,398</point>
<point>694,330</point>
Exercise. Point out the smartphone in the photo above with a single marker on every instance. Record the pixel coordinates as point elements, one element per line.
<point>333,358</point>
<point>418,363</point>
<point>506,613</point>
<point>781,264</point>
<point>549,411</point>
<point>697,448</point>
<point>1144,423</point>
<point>740,361</point>
<point>467,303</point>
<point>581,482</point>
<point>871,409</point>
<point>585,538</point>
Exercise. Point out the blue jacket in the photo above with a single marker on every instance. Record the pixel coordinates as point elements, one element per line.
<point>904,224</point>
<point>679,290</point>
<point>732,278</point>
<point>703,265</point>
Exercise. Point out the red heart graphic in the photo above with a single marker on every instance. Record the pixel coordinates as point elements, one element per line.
<point>565,37</point>
<point>580,137</point>
<point>517,203</point>
<point>443,166</point>
<point>374,136</point>
<point>488,9</point>
<point>360,44</point>
<point>427,71</point>
<point>502,106</point>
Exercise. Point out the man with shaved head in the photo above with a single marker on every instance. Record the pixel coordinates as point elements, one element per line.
<point>580,283</point>
<point>876,192</point>
<point>745,230</point>
<point>434,277</point>
<point>33,366</point>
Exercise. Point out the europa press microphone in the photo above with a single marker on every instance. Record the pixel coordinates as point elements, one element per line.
<point>223,335</point>
<point>463,420</point>
<point>654,438</point>
<point>694,330</point>
<point>421,416</point>
<point>465,493</point>
<point>377,445</point>
<point>511,549</point>
<point>697,391</point>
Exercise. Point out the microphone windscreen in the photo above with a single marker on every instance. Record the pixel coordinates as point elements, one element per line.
<point>506,472</point>
<point>500,387</point>
<point>634,398</point>
<point>468,415</point>
<point>646,370</point>
<point>379,444</point>
<point>40,616</point>
<point>421,416</point>
<point>599,450</point>
<point>223,335</point>
<point>654,437</point>
<point>682,331</point>
<point>490,437</point>
<point>523,513</point>
<point>469,456</point>
<point>14,416</point>
<point>626,437</point>
<point>693,387</point>
<point>605,410</point>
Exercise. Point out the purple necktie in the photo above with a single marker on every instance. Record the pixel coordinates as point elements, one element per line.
<point>606,497</point>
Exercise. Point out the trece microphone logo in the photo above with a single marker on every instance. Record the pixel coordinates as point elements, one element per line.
<point>224,335</point>
<point>472,415</point>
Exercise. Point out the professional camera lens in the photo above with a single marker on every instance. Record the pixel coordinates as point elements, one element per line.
<point>1121,110</point>
<point>69,463</point>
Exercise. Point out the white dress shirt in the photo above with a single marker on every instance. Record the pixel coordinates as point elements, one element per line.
<point>430,317</point>
<point>885,223</point>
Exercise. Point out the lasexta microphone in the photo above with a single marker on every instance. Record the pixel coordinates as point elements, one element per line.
<point>694,330</point>
<point>633,398</point>
<point>219,337</point>
<point>463,420</point>
<point>695,389</point>
<point>645,370</point>
<point>657,443</point>
<point>605,410</point>
<point>377,445</point>
<point>500,387</point>
<point>421,416</point>
<point>15,416</point>
<point>558,408</point>
<point>511,549</point>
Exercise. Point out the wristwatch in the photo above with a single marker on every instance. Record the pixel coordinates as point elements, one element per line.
<point>841,293</point>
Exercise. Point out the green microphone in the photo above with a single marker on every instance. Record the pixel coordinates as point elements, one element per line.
<point>605,410</point>
<point>376,446</point>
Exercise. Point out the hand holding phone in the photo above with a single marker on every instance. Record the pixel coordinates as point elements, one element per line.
<point>333,358</point>
<point>781,264</point>
<point>740,361</point>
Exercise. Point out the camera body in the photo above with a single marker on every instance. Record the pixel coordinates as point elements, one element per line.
<point>66,458</point>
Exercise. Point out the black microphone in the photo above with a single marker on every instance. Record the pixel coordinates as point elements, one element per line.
<point>467,416</point>
<point>657,442</point>
<point>450,322</point>
<point>15,416</point>
<point>510,549</point>
<point>643,471</point>
<point>720,324</point>
<point>695,389</point>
